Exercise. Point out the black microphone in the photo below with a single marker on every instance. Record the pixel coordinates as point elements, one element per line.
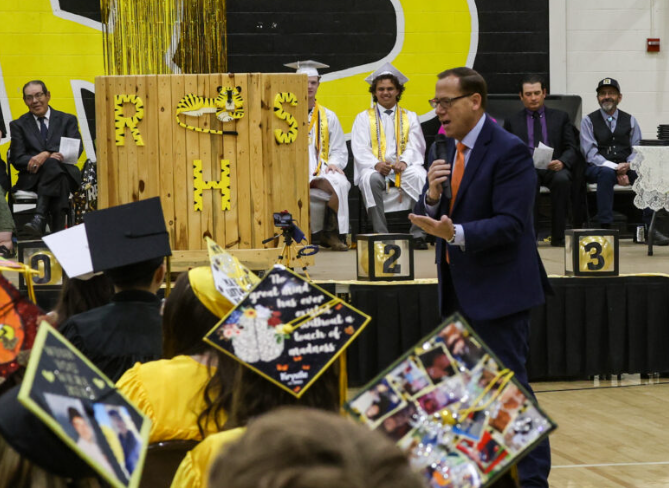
<point>440,142</point>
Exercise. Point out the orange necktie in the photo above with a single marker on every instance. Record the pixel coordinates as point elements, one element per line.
<point>456,178</point>
<point>458,171</point>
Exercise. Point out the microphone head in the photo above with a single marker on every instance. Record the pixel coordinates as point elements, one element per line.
<point>440,138</point>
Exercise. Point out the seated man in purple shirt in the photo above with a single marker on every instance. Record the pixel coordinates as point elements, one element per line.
<point>607,139</point>
<point>537,123</point>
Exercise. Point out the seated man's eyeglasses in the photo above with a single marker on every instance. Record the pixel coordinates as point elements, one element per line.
<point>446,103</point>
<point>36,96</point>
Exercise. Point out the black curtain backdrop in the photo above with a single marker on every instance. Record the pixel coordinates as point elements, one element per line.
<point>589,326</point>
<point>401,316</point>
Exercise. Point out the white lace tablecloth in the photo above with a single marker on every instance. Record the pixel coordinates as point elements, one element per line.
<point>651,164</point>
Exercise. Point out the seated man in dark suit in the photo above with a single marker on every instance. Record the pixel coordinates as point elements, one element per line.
<point>537,123</point>
<point>34,152</point>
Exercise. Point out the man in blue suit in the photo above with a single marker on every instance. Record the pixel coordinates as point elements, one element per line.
<point>488,264</point>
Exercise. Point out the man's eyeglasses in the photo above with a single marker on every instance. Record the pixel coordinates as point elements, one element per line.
<point>446,103</point>
<point>36,96</point>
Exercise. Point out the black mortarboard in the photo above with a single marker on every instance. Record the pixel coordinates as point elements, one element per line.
<point>461,417</point>
<point>61,385</point>
<point>127,234</point>
<point>288,330</point>
<point>33,440</point>
<point>127,240</point>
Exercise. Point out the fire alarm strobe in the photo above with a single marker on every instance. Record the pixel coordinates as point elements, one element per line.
<point>653,45</point>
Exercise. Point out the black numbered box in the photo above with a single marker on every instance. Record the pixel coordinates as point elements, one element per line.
<point>385,257</point>
<point>38,256</point>
<point>591,252</point>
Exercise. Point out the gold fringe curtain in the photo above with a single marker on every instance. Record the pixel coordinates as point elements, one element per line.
<point>144,37</point>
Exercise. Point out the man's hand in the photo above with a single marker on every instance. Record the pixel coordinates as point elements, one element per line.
<point>58,156</point>
<point>623,180</point>
<point>399,166</point>
<point>51,318</point>
<point>439,172</point>
<point>333,168</point>
<point>37,161</point>
<point>555,165</point>
<point>440,228</point>
<point>383,168</point>
<point>623,168</point>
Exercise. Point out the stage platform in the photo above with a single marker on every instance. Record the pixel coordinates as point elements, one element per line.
<point>589,326</point>
<point>340,266</point>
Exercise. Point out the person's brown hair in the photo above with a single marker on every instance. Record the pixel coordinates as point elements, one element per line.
<point>307,448</point>
<point>470,82</point>
<point>254,395</point>
<point>18,472</point>
<point>35,82</point>
<point>185,323</point>
<point>78,296</point>
<point>396,82</point>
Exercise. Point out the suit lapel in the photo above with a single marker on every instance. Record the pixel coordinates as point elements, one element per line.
<point>522,127</point>
<point>53,124</point>
<point>551,130</point>
<point>33,130</point>
<point>475,159</point>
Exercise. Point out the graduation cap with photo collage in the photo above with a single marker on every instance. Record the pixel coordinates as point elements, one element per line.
<point>66,400</point>
<point>288,330</point>
<point>452,406</point>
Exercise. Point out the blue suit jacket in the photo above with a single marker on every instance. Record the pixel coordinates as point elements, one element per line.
<point>499,272</point>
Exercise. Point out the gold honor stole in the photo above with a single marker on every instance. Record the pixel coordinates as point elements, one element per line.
<point>378,136</point>
<point>323,139</point>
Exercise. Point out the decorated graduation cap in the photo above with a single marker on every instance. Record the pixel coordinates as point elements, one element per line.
<point>460,415</point>
<point>288,330</point>
<point>18,325</point>
<point>224,283</point>
<point>75,402</point>
<point>126,241</point>
<point>309,67</point>
<point>387,69</point>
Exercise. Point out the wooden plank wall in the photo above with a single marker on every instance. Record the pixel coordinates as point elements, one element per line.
<point>265,177</point>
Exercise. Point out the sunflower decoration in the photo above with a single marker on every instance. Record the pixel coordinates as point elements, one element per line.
<point>18,324</point>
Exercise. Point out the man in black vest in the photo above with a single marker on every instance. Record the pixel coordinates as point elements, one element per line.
<point>607,137</point>
<point>537,123</point>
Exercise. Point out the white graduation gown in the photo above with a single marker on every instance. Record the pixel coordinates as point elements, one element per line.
<point>339,156</point>
<point>413,177</point>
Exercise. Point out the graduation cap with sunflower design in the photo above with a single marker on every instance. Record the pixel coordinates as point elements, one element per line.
<point>288,330</point>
